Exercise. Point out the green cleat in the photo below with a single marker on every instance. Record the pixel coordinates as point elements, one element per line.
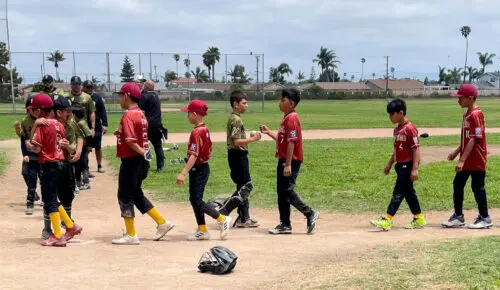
<point>382,223</point>
<point>416,223</point>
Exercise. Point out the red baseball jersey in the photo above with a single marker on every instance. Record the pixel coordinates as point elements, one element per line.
<point>47,138</point>
<point>200,144</point>
<point>133,128</point>
<point>405,142</point>
<point>290,131</point>
<point>473,127</point>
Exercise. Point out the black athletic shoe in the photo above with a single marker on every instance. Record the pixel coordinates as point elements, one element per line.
<point>311,221</point>
<point>281,230</point>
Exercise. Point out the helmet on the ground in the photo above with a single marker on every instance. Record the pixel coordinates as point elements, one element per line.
<point>47,79</point>
<point>219,260</point>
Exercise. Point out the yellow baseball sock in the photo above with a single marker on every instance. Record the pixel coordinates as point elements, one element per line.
<point>55,219</point>
<point>202,228</point>
<point>221,218</point>
<point>388,216</point>
<point>419,216</point>
<point>129,226</point>
<point>156,216</point>
<point>65,217</point>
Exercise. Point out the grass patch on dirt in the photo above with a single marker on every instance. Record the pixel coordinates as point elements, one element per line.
<point>470,263</point>
<point>315,114</point>
<point>337,175</point>
<point>3,161</point>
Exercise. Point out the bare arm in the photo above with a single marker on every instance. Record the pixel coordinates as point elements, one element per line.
<point>265,130</point>
<point>416,158</point>
<point>243,142</point>
<point>467,150</point>
<point>190,163</point>
<point>92,120</point>
<point>289,153</point>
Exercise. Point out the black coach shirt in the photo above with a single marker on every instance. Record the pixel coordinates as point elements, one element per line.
<point>101,117</point>
<point>150,104</point>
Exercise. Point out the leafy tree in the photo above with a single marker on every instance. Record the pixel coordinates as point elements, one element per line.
<point>128,72</point>
<point>465,31</point>
<point>177,57</point>
<point>326,59</point>
<point>169,77</point>
<point>187,63</point>
<point>200,75</point>
<point>210,58</point>
<point>238,75</point>
<point>6,89</point>
<point>485,59</point>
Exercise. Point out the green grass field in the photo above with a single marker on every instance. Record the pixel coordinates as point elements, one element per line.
<point>316,115</point>
<point>337,175</point>
<point>451,264</point>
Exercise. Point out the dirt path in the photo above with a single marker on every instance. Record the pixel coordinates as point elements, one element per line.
<point>110,140</point>
<point>91,261</point>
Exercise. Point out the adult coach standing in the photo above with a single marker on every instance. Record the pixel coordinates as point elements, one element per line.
<point>101,122</point>
<point>150,104</point>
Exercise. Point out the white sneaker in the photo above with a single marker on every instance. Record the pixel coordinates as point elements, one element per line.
<point>224,227</point>
<point>162,230</point>
<point>454,221</point>
<point>126,240</point>
<point>199,236</point>
<point>481,223</point>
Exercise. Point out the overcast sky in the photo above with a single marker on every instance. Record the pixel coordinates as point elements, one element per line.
<point>418,35</point>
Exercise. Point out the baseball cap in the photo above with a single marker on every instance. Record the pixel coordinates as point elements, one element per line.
<point>196,106</point>
<point>88,84</point>
<point>131,89</point>
<point>27,105</point>
<point>41,101</point>
<point>76,81</point>
<point>62,103</point>
<point>139,78</point>
<point>466,90</point>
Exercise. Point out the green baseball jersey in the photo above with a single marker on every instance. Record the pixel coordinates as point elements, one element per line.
<point>70,136</point>
<point>27,125</point>
<point>83,127</point>
<point>235,130</point>
<point>85,100</point>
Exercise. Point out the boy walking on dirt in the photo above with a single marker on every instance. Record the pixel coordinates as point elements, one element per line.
<point>132,148</point>
<point>290,156</point>
<point>237,156</point>
<point>406,155</point>
<point>31,167</point>
<point>472,162</point>
<point>50,143</point>
<point>199,150</point>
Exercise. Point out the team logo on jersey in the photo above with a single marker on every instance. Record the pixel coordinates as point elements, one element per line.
<point>478,131</point>
<point>293,134</point>
<point>193,147</point>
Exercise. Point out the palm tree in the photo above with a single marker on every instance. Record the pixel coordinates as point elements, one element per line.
<point>442,74</point>
<point>274,75</point>
<point>284,69</point>
<point>301,76</point>
<point>472,73</point>
<point>238,75</point>
<point>373,75</point>
<point>326,59</point>
<point>200,75</point>
<point>392,72</point>
<point>454,75</point>
<point>485,59</point>
<point>177,57</point>
<point>465,30</point>
<point>352,78</point>
<point>211,57</point>
<point>187,63</point>
<point>56,57</point>
<point>363,60</point>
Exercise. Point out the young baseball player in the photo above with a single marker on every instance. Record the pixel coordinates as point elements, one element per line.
<point>199,150</point>
<point>472,162</point>
<point>237,156</point>
<point>406,155</point>
<point>132,148</point>
<point>66,189</point>
<point>290,156</point>
<point>81,172</point>
<point>30,168</point>
<point>50,143</point>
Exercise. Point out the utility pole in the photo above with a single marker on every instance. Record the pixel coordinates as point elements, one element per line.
<point>10,57</point>
<point>257,58</point>
<point>387,75</point>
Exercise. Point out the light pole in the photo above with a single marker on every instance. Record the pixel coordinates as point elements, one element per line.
<point>10,56</point>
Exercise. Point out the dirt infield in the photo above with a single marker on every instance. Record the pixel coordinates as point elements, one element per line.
<point>91,261</point>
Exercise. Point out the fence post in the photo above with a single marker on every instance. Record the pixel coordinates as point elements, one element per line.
<point>151,67</point>
<point>108,76</point>
<point>140,69</point>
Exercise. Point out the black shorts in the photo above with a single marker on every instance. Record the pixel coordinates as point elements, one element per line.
<point>95,142</point>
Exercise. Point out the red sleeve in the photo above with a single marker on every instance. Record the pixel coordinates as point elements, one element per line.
<point>37,139</point>
<point>476,126</point>
<point>412,137</point>
<point>128,129</point>
<point>291,129</point>
<point>194,143</point>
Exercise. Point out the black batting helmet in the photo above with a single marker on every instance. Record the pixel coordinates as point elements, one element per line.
<point>88,84</point>
<point>47,79</point>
